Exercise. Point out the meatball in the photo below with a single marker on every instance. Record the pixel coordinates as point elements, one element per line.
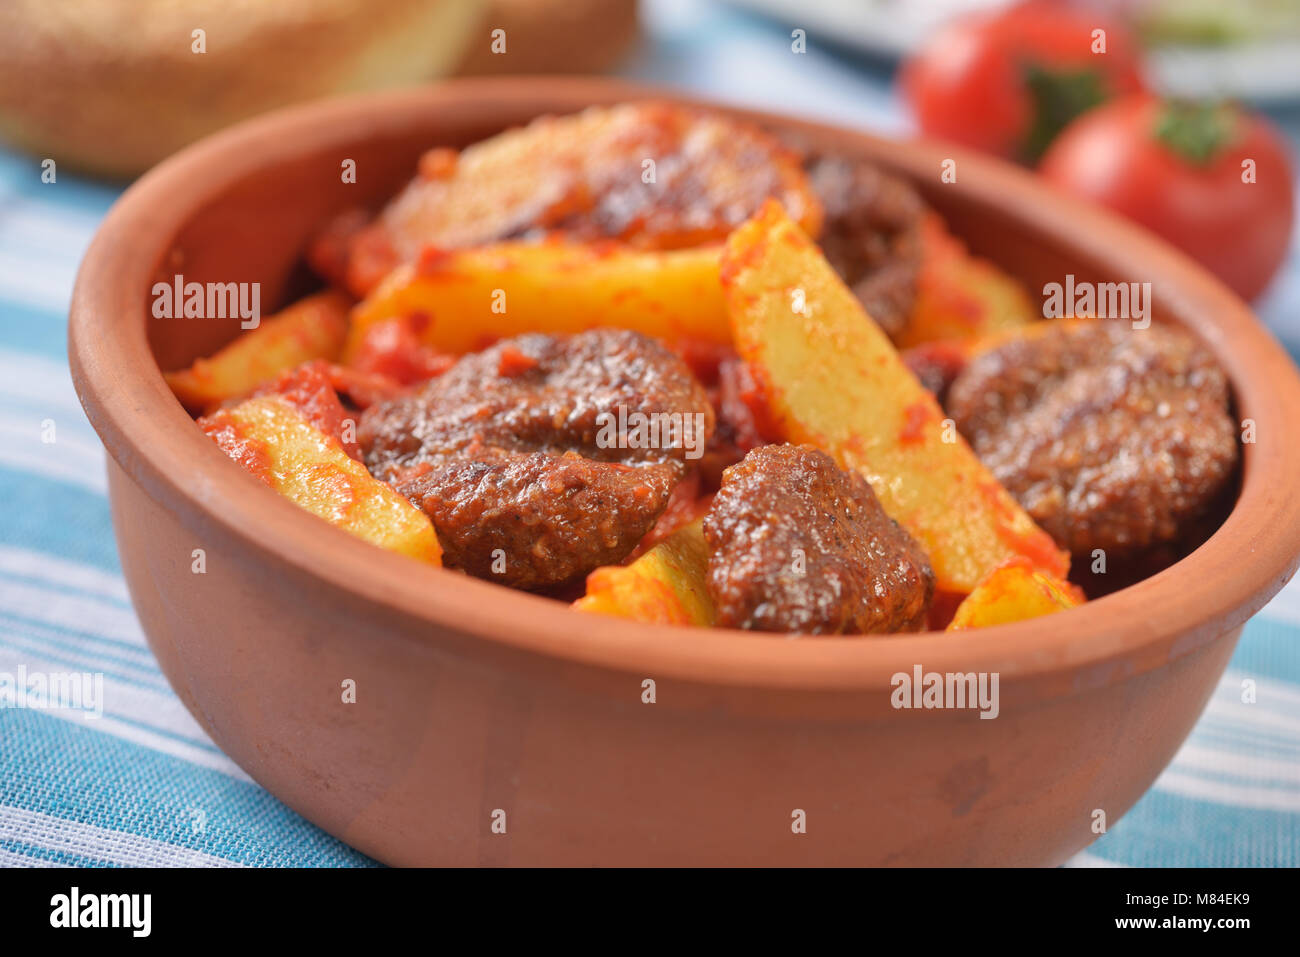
<point>798,545</point>
<point>872,235</point>
<point>743,421</point>
<point>587,175</point>
<point>1110,437</point>
<point>543,457</point>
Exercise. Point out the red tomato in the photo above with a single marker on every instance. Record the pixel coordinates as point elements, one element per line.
<point>1183,171</point>
<point>1008,81</point>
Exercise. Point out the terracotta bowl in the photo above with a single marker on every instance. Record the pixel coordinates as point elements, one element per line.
<point>473,700</point>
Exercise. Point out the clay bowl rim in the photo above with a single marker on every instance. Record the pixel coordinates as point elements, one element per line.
<point>1144,626</point>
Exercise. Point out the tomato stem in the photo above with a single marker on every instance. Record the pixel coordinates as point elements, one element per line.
<point>1057,96</point>
<point>1195,131</point>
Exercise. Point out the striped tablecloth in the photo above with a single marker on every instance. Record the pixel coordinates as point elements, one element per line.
<point>142,784</point>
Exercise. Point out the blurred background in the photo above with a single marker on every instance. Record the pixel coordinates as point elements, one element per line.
<point>106,88</point>
<point>1183,94</point>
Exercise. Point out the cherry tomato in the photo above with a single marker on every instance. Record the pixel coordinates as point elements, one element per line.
<point>1007,81</point>
<point>1213,179</point>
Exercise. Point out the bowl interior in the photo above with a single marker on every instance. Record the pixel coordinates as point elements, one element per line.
<point>233,236</point>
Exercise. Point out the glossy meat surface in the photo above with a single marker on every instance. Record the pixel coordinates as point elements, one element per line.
<point>798,545</point>
<point>1110,437</point>
<point>528,457</point>
<point>871,235</point>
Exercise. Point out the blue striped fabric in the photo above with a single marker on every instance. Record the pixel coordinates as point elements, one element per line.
<point>143,785</point>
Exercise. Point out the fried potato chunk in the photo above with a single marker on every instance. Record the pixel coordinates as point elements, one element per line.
<point>312,328</point>
<point>273,441</point>
<point>960,296</point>
<point>832,379</point>
<point>665,586</point>
<point>1014,592</point>
<point>464,300</point>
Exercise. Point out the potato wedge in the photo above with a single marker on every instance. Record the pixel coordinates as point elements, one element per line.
<point>665,586</point>
<point>959,296</point>
<point>272,440</point>
<point>312,328</point>
<point>831,378</point>
<point>467,299</point>
<point>1014,592</point>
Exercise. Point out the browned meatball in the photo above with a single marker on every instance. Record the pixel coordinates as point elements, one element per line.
<point>510,452</point>
<point>1110,437</point>
<point>588,175</point>
<point>872,235</point>
<point>533,520</point>
<point>796,544</point>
